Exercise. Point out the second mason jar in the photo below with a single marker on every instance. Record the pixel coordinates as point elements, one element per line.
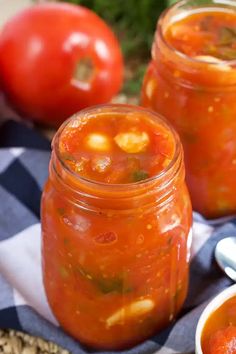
<point>116,226</point>
<point>191,80</point>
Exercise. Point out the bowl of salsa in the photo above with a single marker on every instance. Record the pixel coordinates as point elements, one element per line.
<point>216,329</point>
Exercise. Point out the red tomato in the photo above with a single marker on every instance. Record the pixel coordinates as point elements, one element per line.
<point>223,341</point>
<point>56,59</point>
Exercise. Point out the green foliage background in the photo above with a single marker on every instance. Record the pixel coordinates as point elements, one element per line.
<point>134,22</point>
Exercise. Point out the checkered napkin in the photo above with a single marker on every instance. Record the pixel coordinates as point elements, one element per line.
<point>24,157</point>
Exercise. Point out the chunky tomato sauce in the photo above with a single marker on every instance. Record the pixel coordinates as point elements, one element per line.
<point>192,81</point>
<point>219,333</point>
<point>116,221</point>
<point>117,148</point>
<point>205,34</point>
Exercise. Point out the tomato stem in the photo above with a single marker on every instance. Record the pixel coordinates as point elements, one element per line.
<point>84,70</point>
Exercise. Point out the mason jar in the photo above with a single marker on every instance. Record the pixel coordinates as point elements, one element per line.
<point>192,82</point>
<point>115,256</point>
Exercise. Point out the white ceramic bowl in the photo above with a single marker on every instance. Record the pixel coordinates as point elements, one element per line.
<point>211,307</point>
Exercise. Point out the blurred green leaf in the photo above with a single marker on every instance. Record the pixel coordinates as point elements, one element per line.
<point>133,86</point>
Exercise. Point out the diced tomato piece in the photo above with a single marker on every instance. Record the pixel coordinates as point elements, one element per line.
<point>223,341</point>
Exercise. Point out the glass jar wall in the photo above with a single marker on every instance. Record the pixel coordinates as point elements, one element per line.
<point>191,80</point>
<point>116,255</point>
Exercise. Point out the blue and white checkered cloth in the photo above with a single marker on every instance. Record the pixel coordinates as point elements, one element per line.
<point>24,158</point>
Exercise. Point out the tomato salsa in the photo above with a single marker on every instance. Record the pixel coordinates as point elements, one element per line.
<point>116,222</point>
<point>208,36</point>
<point>116,148</point>
<point>192,81</point>
<point>219,333</point>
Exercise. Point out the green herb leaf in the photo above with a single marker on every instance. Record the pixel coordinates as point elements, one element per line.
<point>140,175</point>
<point>221,52</point>
<point>68,157</point>
<point>107,286</point>
<point>227,53</point>
<point>224,48</point>
<point>227,36</point>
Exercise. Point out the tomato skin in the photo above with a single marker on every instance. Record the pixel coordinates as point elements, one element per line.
<point>40,49</point>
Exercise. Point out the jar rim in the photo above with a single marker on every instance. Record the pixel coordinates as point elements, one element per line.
<point>119,108</point>
<point>178,53</point>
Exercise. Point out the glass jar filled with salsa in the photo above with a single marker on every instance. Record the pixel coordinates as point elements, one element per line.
<point>191,80</point>
<point>116,221</point>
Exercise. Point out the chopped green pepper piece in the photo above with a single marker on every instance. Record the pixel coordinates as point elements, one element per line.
<point>228,53</point>
<point>224,48</point>
<point>68,157</point>
<point>225,53</point>
<point>107,286</point>
<point>227,36</point>
<point>140,175</point>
